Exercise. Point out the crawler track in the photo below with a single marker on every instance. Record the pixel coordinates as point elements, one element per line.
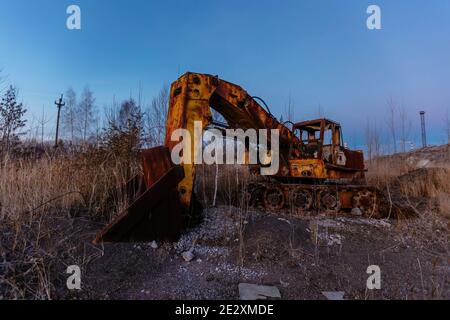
<point>305,200</point>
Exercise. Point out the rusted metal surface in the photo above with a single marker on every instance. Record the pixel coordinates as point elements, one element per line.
<point>316,122</point>
<point>355,159</point>
<point>303,200</point>
<point>346,198</point>
<point>156,163</point>
<point>332,159</point>
<point>155,212</point>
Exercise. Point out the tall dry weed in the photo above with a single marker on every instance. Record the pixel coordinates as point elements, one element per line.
<point>38,199</point>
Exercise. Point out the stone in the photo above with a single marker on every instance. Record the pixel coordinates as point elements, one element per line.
<point>357,212</point>
<point>284,284</point>
<point>334,239</point>
<point>249,291</point>
<point>154,245</point>
<point>334,295</point>
<point>188,256</point>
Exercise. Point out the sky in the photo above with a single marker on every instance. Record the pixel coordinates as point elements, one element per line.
<point>318,54</point>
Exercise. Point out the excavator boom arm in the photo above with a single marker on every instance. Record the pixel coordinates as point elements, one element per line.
<point>191,99</point>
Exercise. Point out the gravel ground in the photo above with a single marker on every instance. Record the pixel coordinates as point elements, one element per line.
<point>303,258</point>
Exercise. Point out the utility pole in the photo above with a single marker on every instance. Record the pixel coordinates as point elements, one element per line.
<point>424,132</point>
<point>59,104</point>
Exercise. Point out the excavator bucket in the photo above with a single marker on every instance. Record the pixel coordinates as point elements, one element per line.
<point>155,211</point>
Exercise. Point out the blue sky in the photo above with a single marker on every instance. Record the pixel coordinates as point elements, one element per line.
<point>319,53</point>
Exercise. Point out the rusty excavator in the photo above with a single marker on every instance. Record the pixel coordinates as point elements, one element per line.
<point>317,172</point>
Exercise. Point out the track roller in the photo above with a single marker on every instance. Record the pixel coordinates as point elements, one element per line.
<point>302,201</point>
<point>274,198</point>
<point>328,200</point>
<point>365,200</point>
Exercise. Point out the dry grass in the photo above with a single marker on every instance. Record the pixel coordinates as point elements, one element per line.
<point>424,187</point>
<point>27,188</point>
<point>427,183</point>
<point>444,204</point>
<point>426,191</point>
<point>61,184</point>
<point>38,199</point>
<point>232,181</point>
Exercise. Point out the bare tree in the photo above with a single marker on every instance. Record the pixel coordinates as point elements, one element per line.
<point>289,111</point>
<point>70,116</point>
<point>125,132</point>
<point>86,113</point>
<point>140,99</point>
<point>391,122</point>
<point>155,117</point>
<point>372,137</point>
<point>320,111</point>
<point>111,113</point>
<point>405,128</point>
<point>42,122</point>
<point>130,115</point>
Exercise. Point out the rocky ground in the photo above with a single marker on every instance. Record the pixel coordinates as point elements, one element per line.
<point>302,258</point>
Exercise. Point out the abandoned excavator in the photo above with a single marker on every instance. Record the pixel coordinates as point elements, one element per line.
<point>317,172</point>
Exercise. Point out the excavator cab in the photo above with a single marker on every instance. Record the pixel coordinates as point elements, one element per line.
<point>321,154</point>
<point>321,139</point>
